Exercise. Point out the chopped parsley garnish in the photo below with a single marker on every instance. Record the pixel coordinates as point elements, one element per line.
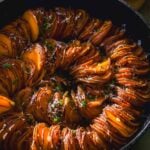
<point>45,26</point>
<point>84,103</point>
<point>30,119</point>
<point>56,119</point>
<point>61,102</point>
<point>7,66</point>
<point>113,81</point>
<point>49,46</point>
<point>58,88</point>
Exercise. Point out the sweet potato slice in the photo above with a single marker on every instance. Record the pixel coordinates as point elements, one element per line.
<point>5,104</point>
<point>33,23</point>
<point>30,73</point>
<point>12,79</point>
<point>18,71</point>
<point>7,43</point>
<point>23,140</point>
<point>23,98</point>
<point>4,80</point>
<point>3,49</point>
<point>70,115</point>
<point>39,104</point>
<point>81,18</point>
<point>45,136</point>
<point>37,55</point>
<point>12,74</point>
<point>94,69</point>
<point>23,28</point>
<point>17,36</point>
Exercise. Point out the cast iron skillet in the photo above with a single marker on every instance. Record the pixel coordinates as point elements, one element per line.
<point>115,10</point>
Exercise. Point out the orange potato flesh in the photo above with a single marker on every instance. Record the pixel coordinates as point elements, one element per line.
<point>5,104</point>
<point>98,68</point>
<point>35,54</point>
<point>33,23</point>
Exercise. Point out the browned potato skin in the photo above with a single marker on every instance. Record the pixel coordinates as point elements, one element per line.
<point>22,98</point>
<point>38,106</point>
<point>36,57</point>
<point>84,105</point>
<point>14,74</point>
<point>40,135</point>
<point>15,122</point>
<point>93,25</point>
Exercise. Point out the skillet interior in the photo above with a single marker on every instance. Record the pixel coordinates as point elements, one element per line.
<point>104,9</point>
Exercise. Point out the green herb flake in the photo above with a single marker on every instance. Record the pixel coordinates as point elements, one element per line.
<point>7,66</point>
<point>113,81</point>
<point>30,119</point>
<point>49,46</point>
<point>45,26</point>
<point>58,88</point>
<point>56,119</point>
<point>61,102</point>
<point>84,103</point>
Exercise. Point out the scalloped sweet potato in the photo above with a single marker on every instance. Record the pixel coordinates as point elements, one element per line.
<point>3,49</point>
<point>6,42</point>
<point>12,74</point>
<point>33,23</point>
<point>23,28</point>
<point>36,55</point>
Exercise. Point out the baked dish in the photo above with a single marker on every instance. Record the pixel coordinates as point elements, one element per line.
<point>69,81</point>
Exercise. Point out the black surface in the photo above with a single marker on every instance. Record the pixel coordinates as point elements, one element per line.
<point>105,9</point>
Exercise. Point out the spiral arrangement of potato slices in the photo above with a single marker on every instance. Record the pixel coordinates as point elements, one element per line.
<point>69,81</point>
